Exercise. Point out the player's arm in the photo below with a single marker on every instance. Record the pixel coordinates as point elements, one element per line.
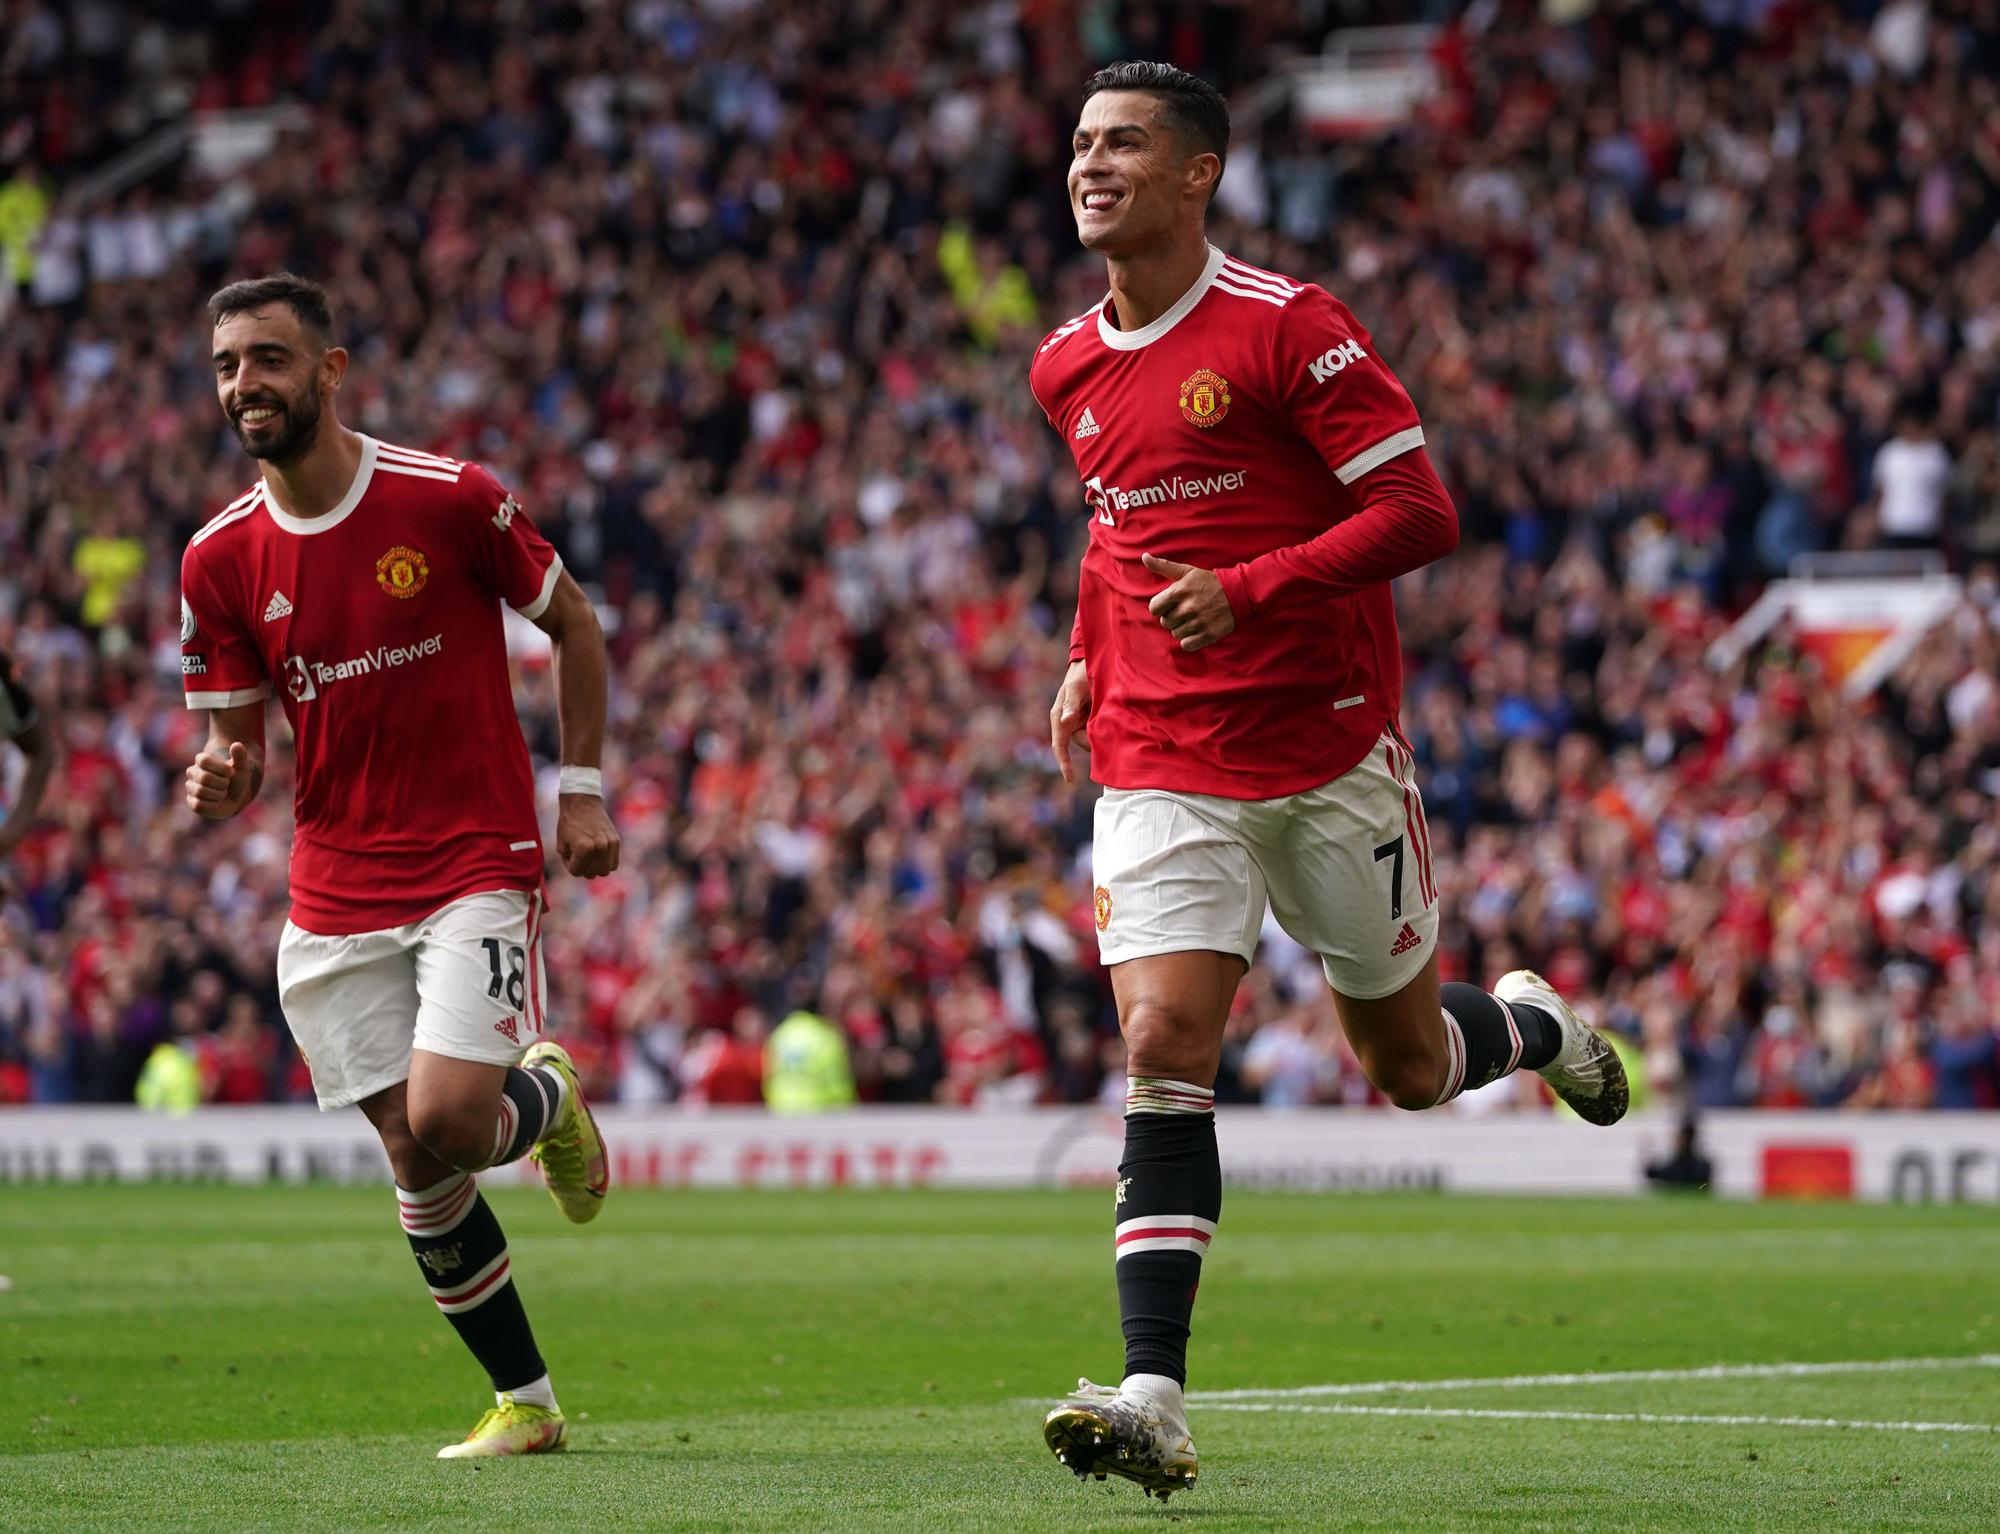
<point>1347,403</point>
<point>586,840</point>
<point>222,673</point>
<point>1405,521</point>
<point>1069,715</point>
<point>526,573</point>
<point>37,741</point>
<point>229,770</point>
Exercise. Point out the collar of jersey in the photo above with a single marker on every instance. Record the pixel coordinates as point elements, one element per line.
<point>306,526</point>
<point>1131,340</point>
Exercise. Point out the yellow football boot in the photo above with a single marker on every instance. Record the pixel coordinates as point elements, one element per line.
<point>512,1427</point>
<point>572,1156</point>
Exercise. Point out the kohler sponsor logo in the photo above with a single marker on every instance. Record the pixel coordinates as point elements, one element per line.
<point>1334,359</point>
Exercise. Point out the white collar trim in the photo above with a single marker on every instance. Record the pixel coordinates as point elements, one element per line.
<point>305,526</point>
<point>1131,340</point>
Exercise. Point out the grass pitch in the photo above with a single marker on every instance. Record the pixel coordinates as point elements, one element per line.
<point>212,1359</point>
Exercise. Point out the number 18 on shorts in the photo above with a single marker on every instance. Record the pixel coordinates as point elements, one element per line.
<point>465,982</point>
<point>1345,869</point>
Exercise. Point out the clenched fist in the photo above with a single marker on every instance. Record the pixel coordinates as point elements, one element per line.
<point>219,785</point>
<point>586,840</point>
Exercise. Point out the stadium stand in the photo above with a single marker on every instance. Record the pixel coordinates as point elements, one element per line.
<point>739,297</point>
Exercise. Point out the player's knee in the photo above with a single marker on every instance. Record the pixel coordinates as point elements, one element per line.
<point>1409,1078</point>
<point>454,1136</point>
<point>1166,1041</point>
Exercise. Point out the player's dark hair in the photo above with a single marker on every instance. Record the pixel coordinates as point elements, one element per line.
<point>1195,110</point>
<point>304,297</point>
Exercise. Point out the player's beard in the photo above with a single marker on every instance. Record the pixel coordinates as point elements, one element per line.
<point>301,426</point>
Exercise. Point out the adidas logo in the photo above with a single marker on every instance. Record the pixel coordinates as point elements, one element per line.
<point>1405,941</point>
<point>278,607</point>
<point>1087,427</point>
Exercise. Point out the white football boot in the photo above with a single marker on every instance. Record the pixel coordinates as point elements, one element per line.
<point>1586,1072</point>
<point>1100,1431</point>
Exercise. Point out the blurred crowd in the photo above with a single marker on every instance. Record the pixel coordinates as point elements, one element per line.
<point>738,296</point>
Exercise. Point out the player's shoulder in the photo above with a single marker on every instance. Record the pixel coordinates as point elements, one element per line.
<point>1057,365</point>
<point>433,480</point>
<point>1253,295</point>
<point>1067,343</point>
<point>1295,323</point>
<point>413,469</point>
<point>229,529</point>
<point>1070,327</point>
<point>1253,300</point>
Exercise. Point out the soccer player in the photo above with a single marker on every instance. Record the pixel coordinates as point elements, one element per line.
<point>1254,477</point>
<point>21,721</point>
<point>364,583</point>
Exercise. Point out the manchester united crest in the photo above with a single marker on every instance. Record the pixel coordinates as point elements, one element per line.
<point>402,571</point>
<point>1205,397</point>
<point>1102,902</point>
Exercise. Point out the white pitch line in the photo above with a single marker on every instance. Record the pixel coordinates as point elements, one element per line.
<point>1605,1416</point>
<point>1608,1377</point>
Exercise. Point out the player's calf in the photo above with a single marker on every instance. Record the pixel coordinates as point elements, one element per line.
<point>1411,1072</point>
<point>540,1113</point>
<point>1168,1199</point>
<point>1522,1025</point>
<point>462,1253</point>
<point>454,1115</point>
<point>533,1101</point>
<point>463,1257</point>
<point>1425,1044</point>
<point>1486,1039</point>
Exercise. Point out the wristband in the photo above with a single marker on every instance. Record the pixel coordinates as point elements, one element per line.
<point>588,781</point>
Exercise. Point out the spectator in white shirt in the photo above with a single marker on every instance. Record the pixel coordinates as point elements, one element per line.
<point>1912,471</point>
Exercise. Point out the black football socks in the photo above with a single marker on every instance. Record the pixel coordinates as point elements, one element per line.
<point>1487,1038</point>
<point>530,1100</point>
<point>1169,1198</point>
<point>463,1254</point>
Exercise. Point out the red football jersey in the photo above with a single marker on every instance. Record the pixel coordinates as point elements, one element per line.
<point>380,625</point>
<point>1228,429</point>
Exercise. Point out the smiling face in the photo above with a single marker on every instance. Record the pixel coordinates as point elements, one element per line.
<point>272,375</point>
<point>1131,181</point>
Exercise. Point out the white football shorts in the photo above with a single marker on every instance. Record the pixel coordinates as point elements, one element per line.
<point>1345,868</point>
<point>466,981</point>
